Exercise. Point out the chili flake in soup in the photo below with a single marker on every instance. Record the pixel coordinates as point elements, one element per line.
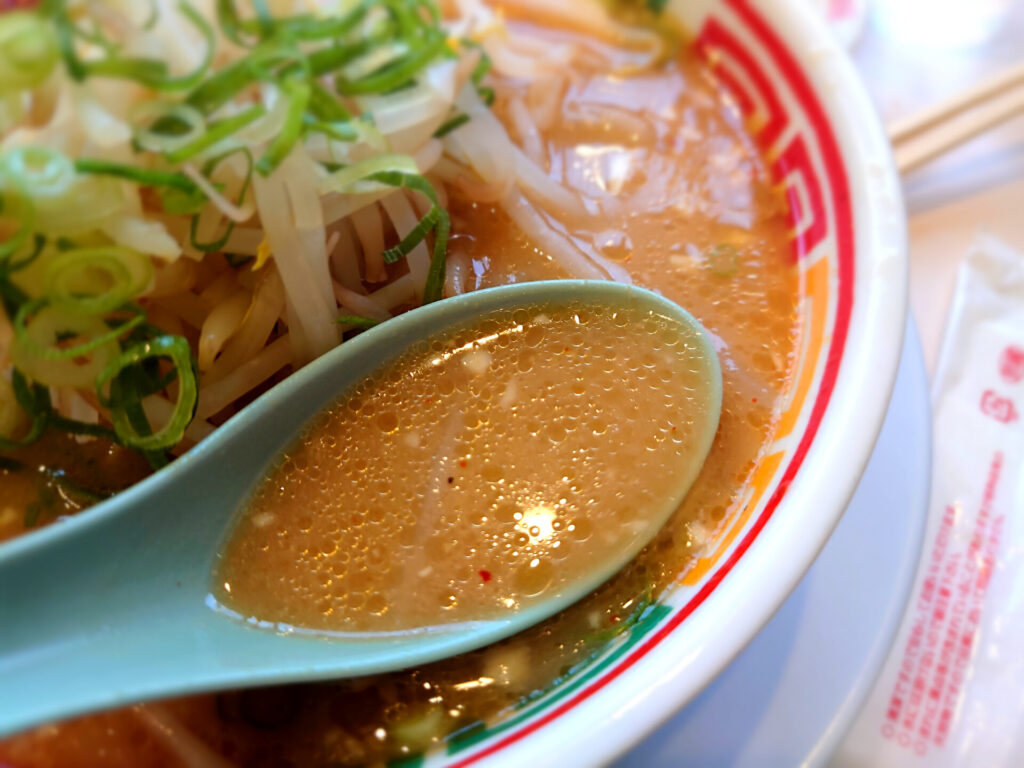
<point>484,470</point>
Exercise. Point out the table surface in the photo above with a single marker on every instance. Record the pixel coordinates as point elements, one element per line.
<point>913,53</point>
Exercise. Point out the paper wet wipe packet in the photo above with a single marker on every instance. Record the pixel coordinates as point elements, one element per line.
<point>951,692</point>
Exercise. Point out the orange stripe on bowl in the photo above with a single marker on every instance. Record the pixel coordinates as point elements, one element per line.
<point>816,305</point>
<point>759,482</point>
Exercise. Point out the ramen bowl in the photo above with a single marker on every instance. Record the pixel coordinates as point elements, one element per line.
<point>827,152</point>
<point>829,195</point>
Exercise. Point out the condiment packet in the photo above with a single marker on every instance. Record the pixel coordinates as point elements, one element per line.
<point>951,692</point>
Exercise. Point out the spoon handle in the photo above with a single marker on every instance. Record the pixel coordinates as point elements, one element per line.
<point>82,614</point>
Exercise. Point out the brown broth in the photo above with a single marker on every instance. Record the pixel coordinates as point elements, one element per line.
<point>483,471</point>
<point>698,184</point>
<point>58,476</point>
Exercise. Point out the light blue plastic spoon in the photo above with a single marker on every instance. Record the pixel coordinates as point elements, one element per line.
<point>110,607</point>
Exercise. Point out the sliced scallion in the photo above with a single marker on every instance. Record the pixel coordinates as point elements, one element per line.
<point>394,75</point>
<point>173,348</point>
<point>144,176</point>
<point>39,170</point>
<point>39,330</point>
<point>28,50</point>
<point>297,92</point>
<point>454,122</point>
<point>324,106</point>
<point>208,170</point>
<point>345,179</point>
<point>97,280</point>
<point>357,320</point>
<point>172,125</point>
<point>34,400</point>
<point>217,132</point>
<point>433,289</point>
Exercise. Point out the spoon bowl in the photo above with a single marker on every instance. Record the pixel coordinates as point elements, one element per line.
<point>114,606</point>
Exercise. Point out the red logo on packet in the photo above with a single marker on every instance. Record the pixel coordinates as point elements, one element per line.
<point>999,408</point>
<point>1011,364</point>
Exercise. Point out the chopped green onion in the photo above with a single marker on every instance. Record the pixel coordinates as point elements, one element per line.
<point>480,71</point>
<point>394,75</point>
<point>325,106</point>
<point>298,97</point>
<point>419,184</point>
<point>344,132</point>
<point>378,58</point>
<point>326,60</point>
<point>144,176</point>
<point>482,68</point>
<point>346,179</point>
<point>10,265</point>
<point>357,321</point>
<point>224,85</point>
<point>41,171</point>
<point>41,335</point>
<point>416,235</point>
<point>233,27</point>
<point>400,171</point>
<point>452,124</point>
<point>11,296</point>
<point>305,27</point>
<point>36,349</point>
<point>208,170</point>
<point>34,401</point>
<point>433,290</point>
<point>28,50</point>
<point>97,280</point>
<point>221,87</point>
<point>301,27</point>
<point>486,95</point>
<point>231,24</point>
<point>215,133</point>
<point>173,125</point>
<point>179,203</point>
<point>177,350</point>
<point>264,19</point>
<point>62,201</point>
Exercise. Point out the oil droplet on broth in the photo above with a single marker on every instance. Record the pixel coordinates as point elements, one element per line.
<point>482,470</point>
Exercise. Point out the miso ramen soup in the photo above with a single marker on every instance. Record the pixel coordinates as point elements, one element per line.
<point>624,159</point>
<point>486,469</point>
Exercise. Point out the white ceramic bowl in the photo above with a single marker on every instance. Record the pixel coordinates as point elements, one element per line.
<point>831,155</point>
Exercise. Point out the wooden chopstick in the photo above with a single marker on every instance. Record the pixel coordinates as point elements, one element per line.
<point>927,134</point>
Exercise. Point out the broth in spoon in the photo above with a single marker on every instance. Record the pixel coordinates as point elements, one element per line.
<point>479,473</point>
